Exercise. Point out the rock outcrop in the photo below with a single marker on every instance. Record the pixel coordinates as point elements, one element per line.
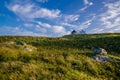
<point>100,51</point>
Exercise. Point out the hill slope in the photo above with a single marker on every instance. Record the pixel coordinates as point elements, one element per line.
<point>63,58</point>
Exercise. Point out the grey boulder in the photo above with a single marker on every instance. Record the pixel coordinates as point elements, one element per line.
<point>100,51</point>
<point>101,58</point>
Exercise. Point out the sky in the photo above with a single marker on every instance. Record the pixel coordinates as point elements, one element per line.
<point>55,18</point>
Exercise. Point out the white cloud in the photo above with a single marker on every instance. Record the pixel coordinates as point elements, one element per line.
<point>28,25</point>
<point>56,30</point>
<point>32,11</point>
<point>7,30</point>
<point>111,18</point>
<point>86,2</point>
<point>84,8</point>
<point>87,5</point>
<point>68,24</point>
<point>40,29</point>
<point>79,26</point>
<point>60,23</point>
<point>68,20</point>
<point>46,25</point>
<point>117,29</point>
<point>37,26</point>
<point>71,18</point>
<point>97,30</point>
<point>48,29</point>
<point>85,24</point>
<point>91,3</point>
<point>59,29</point>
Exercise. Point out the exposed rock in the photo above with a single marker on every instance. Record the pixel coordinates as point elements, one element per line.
<point>11,42</point>
<point>100,51</point>
<point>101,58</point>
<point>74,32</point>
<point>28,49</point>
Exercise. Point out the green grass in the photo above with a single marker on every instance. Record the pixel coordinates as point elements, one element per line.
<point>62,58</point>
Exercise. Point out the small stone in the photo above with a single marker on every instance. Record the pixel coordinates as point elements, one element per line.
<point>11,42</point>
<point>28,49</point>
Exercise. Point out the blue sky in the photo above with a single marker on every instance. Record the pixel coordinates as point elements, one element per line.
<point>58,17</point>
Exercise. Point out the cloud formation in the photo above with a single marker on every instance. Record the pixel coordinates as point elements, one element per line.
<point>87,5</point>
<point>41,20</point>
<point>71,18</point>
<point>86,2</point>
<point>111,18</point>
<point>45,28</point>
<point>32,11</point>
<point>8,30</point>
<point>29,12</point>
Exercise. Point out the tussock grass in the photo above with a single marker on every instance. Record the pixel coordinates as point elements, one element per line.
<point>66,58</point>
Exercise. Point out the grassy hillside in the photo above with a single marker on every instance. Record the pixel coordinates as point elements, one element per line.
<point>62,58</point>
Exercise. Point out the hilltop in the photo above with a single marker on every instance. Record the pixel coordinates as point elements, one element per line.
<point>60,58</point>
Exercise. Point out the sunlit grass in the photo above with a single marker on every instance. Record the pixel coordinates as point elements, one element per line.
<point>57,59</point>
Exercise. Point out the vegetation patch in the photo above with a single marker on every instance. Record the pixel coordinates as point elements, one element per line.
<point>63,58</point>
